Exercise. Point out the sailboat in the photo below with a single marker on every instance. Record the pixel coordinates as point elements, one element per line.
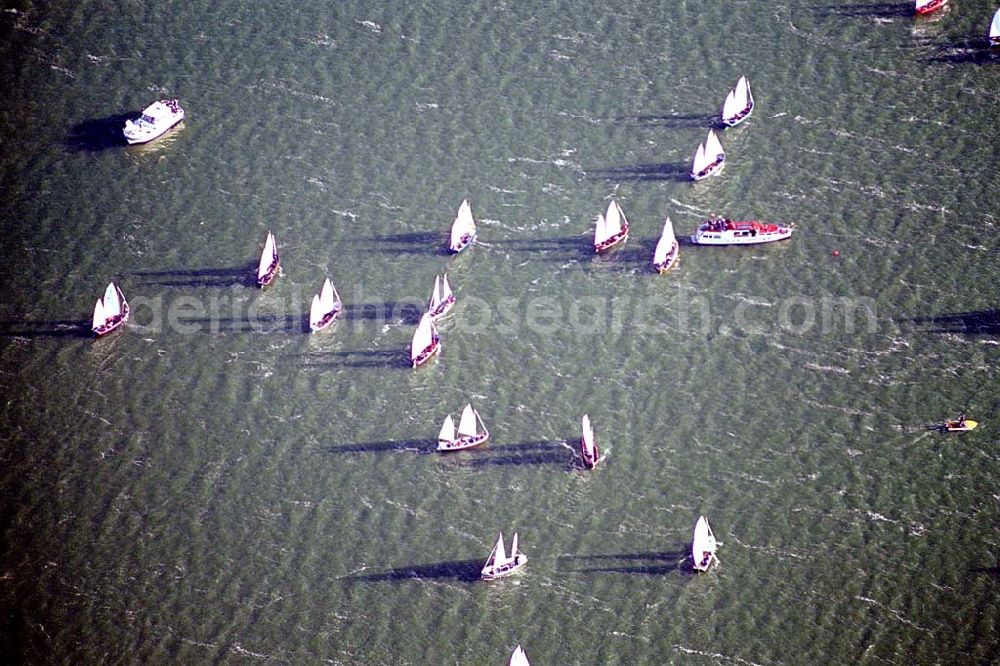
<point>110,311</point>
<point>589,452</point>
<point>499,564</point>
<point>267,269</point>
<point>469,433</point>
<point>442,299</point>
<point>518,658</point>
<point>611,229</point>
<point>928,6</point>
<point>995,30</point>
<point>667,250</point>
<point>326,307</point>
<point>709,158</point>
<point>463,229</point>
<point>738,105</point>
<point>703,546</point>
<point>426,341</point>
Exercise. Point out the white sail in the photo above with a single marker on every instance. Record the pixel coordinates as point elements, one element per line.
<point>588,435</point>
<point>519,658</point>
<point>497,556</point>
<point>614,218</point>
<point>112,305</point>
<point>513,547</point>
<point>326,296</point>
<point>100,316</point>
<point>267,256</point>
<point>446,291</point>
<point>447,433</point>
<point>700,160</point>
<point>702,544</point>
<point>463,224</point>
<point>712,147</point>
<point>747,94</point>
<point>422,337</point>
<point>602,230</point>
<point>435,295</point>
<point>730,107</point>
<point>666,243</point>
<point>467,424</point>
<point>995,27</point>
<point>316,311</point>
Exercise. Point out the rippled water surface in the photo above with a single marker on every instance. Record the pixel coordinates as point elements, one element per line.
<point>214,485</point>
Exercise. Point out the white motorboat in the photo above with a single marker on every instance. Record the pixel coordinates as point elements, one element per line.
<point>154,120</point>
<point>723,231</point>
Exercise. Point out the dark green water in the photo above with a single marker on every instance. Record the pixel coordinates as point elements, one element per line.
<point>212,485</point>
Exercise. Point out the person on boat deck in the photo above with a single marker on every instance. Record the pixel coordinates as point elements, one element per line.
<point>961,420</point>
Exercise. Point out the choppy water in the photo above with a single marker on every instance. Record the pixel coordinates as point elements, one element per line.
<point>211,485</point>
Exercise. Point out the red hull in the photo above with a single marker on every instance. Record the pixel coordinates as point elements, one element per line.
<point>934,6</point>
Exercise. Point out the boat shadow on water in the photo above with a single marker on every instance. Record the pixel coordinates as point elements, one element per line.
<point>419,446</point>
<point>385,359</point>
<point>677,171</point>
<point>418,242</point>
<point>466,571</point>
<point>873,10</point>
<point>973,323</point>
<point>651,564</point>
<point>675,121</point>
<point>260,324</point>
<point>229,276</point>
<point>966,52</point>
<point>403,312</point>
<point>52,328</point>
<point>98,134</point>
<point>551,452</point>
<point>566,248</point>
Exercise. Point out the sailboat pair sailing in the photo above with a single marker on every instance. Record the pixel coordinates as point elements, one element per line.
<point>738,105</point>
<point>326,307</point>
<point>469,432</point>
<point>709,158</point>
<point>111,311</point>
<point>442,298</point>
<point>269,264</point>
<point>426,342</point>
<point>611,229</point>
<point>499,563</point>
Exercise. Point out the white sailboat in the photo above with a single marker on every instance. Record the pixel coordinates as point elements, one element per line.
<point>110,311</point>
<point>326,307</point>
<point>463,229</point>
<point>442,298</point>
<point>738,105</point>
<point>469,431</point>
<point>667,250</point>
<point>499,564</point>
<point>426,341</point>
<point>154,120</point>
<point>703,546</point>
<point>518,658</point>
<point>995,30</point>
<point>709,158</point>
<point>267,269</point>
<point>611,229</point>
<point>589,452</point>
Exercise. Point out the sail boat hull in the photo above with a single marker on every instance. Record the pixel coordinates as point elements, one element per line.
<point>114,323</point>
<point>325,321</point>
<point>442,308</point>
<point>721,231</point>
<point>463,242</point>
<point>505,569</point>
<point>433,348</point>
<point>268,277</point>
<point>711,170</point>
<point>463,442</point>
<point>670,261</point>
<point>932,6</point>
<point>735,120</point>
<point>617,239</point>
<point>589,460</point>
